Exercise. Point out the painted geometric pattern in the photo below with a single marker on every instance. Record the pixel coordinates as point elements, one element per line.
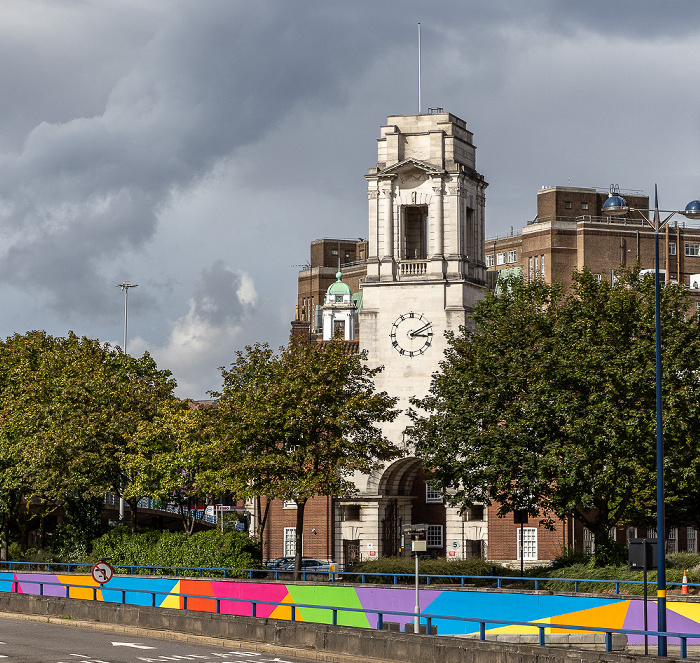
<point>554,611</point>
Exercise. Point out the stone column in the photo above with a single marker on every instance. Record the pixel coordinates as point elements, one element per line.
<point>387,193</point>
<point>437,223</point>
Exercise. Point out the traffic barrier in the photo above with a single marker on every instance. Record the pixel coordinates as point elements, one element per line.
<point>684,584</point>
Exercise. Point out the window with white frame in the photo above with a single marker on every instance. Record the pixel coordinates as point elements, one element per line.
<point>598,277</point>
<point>691,538</point>
<point>672,541</point>
<point>289,504</point>
<point>584,205</point>
<point>631,534</point>
<point>512,255</point>
<point>588,541</point>
<point>612,533</point>
<point>500,258</point>
<point>537,266</point>
<point>542,265</point>
<point>529,543</point>
<point>692,249</point>
<point>530,273</point>
<point>489,260</point>
<point>433,537</point>
<point>290,541</point>
<point>432,495</point>
<point>672,248</point>
<point>651,533</point>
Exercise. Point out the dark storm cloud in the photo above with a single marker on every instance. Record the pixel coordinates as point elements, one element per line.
<point>221,296</point>
<point>213,77</point>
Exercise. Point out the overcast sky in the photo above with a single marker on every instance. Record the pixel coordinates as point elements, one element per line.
<point>196,147</point>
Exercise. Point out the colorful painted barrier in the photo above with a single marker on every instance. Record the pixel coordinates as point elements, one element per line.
<point>576,610</point>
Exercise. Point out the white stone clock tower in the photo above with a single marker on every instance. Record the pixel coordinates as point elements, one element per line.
<point>426,265</point>
<point>425,272</point>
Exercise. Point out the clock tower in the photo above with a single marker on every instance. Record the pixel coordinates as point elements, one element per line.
<point>425,273</point>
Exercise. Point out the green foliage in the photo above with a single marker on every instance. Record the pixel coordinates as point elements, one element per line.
<point>473,566</point>
<point>548,404</point>
<point>683,561</point>
<point>609,553</point>
<point>300,424</point>
<point>570,557</point>
<point>622,572</point>
<point>203,549</point>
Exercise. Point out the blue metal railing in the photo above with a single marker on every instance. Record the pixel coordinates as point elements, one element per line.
<point>428,618</point>
<point>428,579</point>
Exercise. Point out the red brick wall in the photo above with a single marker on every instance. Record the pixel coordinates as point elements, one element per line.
<point>503,537</point>
<point>318,515</point>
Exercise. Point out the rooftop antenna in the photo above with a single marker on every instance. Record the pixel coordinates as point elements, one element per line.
<point>419,100</point>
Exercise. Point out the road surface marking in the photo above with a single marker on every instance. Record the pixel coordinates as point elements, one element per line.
<point>134,645</point>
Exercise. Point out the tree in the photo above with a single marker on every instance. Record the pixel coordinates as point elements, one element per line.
<point>549,404</point>
<point>67,407</point>
<point>304,421</point>
<point>170,456</point>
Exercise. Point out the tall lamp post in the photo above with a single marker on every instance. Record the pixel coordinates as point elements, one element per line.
<point>616,205</point>
<point>125,289</point>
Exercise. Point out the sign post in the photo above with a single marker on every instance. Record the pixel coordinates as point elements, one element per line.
<point>418,544</point>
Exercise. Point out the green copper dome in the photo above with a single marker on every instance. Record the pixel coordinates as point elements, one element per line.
<point>339,288</point>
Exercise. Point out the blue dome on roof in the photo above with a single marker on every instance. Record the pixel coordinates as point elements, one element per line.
<point>615,206</point>
<point>692,209</point>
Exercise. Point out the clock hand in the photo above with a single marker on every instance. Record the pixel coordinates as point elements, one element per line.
<point>422,335</point>
<point>416,332</point>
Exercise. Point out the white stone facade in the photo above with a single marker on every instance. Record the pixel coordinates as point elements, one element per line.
<point>425,273</point>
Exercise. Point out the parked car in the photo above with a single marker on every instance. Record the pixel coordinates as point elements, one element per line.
<point>277,564</point>
<point>308,565</point>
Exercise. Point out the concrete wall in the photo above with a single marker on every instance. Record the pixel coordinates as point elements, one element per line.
<point>376,645</point>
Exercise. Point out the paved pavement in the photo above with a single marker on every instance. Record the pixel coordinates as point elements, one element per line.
<point>36,639</point>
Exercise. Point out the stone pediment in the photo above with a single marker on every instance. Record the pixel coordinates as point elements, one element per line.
<point>411,164</point>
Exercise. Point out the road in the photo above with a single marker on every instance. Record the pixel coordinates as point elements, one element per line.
<point>32,641</point>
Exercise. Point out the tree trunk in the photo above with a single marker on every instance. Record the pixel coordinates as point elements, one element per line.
<point>262,519</point>
<point>133,506</point>
<point>301,504</point>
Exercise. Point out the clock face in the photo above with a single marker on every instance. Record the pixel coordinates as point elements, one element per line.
<point>411,334</point>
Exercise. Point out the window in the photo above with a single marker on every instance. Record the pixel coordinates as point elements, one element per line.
<point>433,536</point>
<point>598,277</point>
<point>567,205</point>
<point>432,496</point>
<point>612,533</point>
<point>542,265</point>
<point>651,533</point>
<point>500,258</point>
<point>588,541</point>
<point>672,248</point>
<point>529,543</point>
<point>692,249</point>
<point>290,541</point>
<point>334,252</point>
<point>489,260</point>
<point>537,266</point>
<point>631,534</point>
<point>351,512</point>
<point>512,256</point>
<point>530,273</point>
<point>584,205</point>
<point>475,512</point>
<point>672,541</point>
<point>289,504</point>
<point>691,539</point>
<point>697,311</point>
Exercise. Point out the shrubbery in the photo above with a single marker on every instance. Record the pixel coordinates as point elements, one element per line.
<point>172,549</point>
<point>473,566</point>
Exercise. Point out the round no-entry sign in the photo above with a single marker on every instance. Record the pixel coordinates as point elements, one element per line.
<point>102,572</point>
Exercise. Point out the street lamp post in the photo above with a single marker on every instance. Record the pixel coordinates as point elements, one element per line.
<point>616,205</point>
<point>125,289</point>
